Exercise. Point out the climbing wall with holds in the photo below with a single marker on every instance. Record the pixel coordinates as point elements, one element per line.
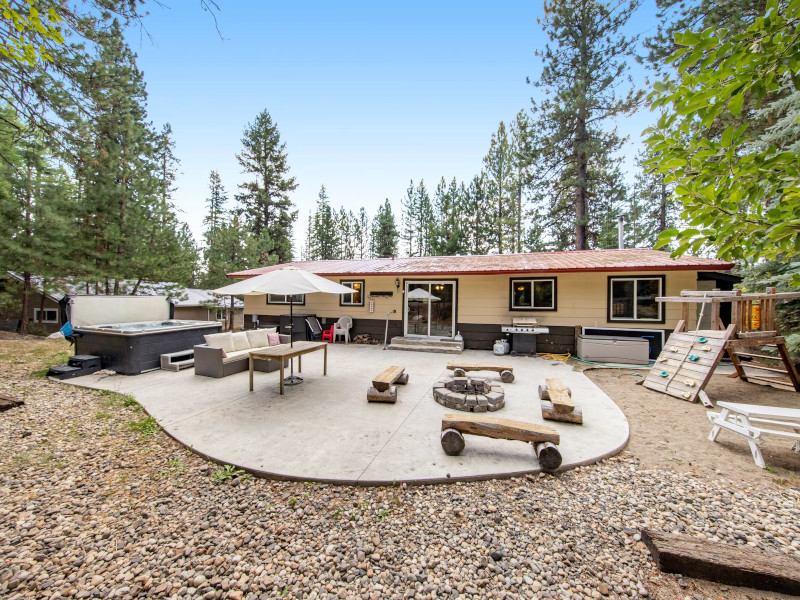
<point>687,361</point>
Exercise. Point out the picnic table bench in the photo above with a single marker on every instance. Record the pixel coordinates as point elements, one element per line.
<point>752,422</point>
<point>461,369</point>
<point>382,389</point>
<point>543,437</point>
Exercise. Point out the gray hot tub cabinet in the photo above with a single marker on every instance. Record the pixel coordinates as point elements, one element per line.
<point>611,349</point>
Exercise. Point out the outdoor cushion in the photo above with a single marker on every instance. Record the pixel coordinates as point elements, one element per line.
<point>258,338</point>
<point>220,340</point>
<point>270,329</point>
<point>236,355</point>
<point>240,341</point>
<point>274,339</point>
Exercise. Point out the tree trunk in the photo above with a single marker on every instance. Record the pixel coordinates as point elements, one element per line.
<point>26,302</point>
<point>136,287</point>
<point>662,209</point>
<point>41,304</point>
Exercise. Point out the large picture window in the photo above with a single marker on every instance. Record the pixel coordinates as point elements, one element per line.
<point>284,299</point>
<point>634,299</point>
<point>533,294</point>
<point>357,297</point>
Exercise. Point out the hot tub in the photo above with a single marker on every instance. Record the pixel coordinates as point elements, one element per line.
<point>118,330</point>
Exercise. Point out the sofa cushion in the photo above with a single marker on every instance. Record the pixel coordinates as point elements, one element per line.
<point>240,341</point>
<point>236,355</point>
<point>258,338</point>
<point>220,340</point>
<point>274,339</point>
<point>270,329</point>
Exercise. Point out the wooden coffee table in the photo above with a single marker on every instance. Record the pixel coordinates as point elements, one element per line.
<point>282,352</point>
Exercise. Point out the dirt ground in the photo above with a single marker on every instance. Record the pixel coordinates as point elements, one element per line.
<point>670,433</point>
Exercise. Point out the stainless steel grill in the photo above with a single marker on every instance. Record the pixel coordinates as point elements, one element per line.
<point>523,332</point>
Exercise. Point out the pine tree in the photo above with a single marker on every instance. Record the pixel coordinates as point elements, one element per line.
<point>362,234</point>
<point>384,232</point>
<point>217,198</point>
<point>500,168</point>
<point>266,196</point>
<point>585,64</point>
<point>323,234</point>
<point>521,152</point>
<point>479,227</point>
<point>35,210</point>
<point>651,207</point>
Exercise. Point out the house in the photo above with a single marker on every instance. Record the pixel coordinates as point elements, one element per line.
<point>190,304</point>
<point>570,292</point>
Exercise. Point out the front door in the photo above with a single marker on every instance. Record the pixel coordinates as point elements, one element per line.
<point>430,308</point>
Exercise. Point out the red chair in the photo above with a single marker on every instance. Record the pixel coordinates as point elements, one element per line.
<point>327,334</point>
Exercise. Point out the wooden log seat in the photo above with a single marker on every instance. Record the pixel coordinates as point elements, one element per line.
<point>460,369</point>
<point>382,389</point>
<point>557,403</point>
<point>543,437</point>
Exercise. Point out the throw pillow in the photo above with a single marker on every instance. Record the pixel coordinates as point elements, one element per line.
<point>240,341</point>
<point>220,340</point>
<point>274,339</point>
<point>258,338</point>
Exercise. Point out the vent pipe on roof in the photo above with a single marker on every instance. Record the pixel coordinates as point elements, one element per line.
<point>621,227</point>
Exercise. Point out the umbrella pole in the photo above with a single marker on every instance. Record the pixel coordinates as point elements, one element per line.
<point>292,379</point>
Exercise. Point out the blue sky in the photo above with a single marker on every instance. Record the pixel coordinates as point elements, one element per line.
<point>366,95</point>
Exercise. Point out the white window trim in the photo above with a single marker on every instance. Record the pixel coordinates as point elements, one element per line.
<point>611,317</point>
<point>347,299</point>
<point>285,301</point>
<point>46,320</point>
<point>533,281</point>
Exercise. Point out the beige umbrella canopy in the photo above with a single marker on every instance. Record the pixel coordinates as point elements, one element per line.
<point>289,281</point>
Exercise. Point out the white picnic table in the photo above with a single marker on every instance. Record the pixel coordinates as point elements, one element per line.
<point>752,421</point>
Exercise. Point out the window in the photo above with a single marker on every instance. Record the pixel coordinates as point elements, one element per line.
<point>533,294</point>
<point>634,298</point>
<point>50,315</point>
<point>357,297</point>
<point>284,299</point>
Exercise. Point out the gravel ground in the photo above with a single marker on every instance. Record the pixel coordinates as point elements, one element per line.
<point>96,502</point>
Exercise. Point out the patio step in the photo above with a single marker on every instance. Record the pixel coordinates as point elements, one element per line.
<point>426,345</point>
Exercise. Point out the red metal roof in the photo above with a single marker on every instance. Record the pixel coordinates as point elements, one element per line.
<point>536,262</point>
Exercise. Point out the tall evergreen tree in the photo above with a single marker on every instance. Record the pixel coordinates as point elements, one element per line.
<point>651,208</point>
<point>384,232</point>
<point>362,234</point>
<point>478,230</point>
<point>35,207</point>
<point>266,196</point>
<point>500,169</point>
<point>215,203</point>
<point>585,67</point>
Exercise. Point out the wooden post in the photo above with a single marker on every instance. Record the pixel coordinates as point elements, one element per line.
<point>452,442</point>
<point>684,316</point>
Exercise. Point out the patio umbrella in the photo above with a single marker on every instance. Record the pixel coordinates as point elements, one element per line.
<point>421,294</point>
<point>288,281</point>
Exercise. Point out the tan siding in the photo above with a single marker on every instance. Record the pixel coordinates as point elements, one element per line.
<point>483,299</point>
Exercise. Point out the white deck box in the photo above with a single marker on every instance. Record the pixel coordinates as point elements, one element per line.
<point>611,349</point>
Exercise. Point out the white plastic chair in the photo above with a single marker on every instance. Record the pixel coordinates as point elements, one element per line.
<point>342,327</point>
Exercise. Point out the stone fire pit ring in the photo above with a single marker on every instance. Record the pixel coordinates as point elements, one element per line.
<point>469,394</point>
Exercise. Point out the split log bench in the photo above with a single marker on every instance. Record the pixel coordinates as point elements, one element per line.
<point>557,403</point>
<point>382,389</point>
<point>543,437</point>
<point>461,369</point>
<point>7,402</point>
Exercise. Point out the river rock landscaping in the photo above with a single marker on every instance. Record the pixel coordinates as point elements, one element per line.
<point>97,502</point>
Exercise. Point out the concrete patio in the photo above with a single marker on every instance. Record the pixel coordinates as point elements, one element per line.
<point>324,429</point>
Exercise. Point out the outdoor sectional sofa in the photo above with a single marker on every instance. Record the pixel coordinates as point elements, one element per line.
<point>224,354</point>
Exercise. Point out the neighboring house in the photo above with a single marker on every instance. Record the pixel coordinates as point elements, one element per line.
<point>201,305</point>
<point>190,304</point>
<point>592,291</point>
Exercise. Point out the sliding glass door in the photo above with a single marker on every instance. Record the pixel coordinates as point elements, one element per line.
<point>430,308</point>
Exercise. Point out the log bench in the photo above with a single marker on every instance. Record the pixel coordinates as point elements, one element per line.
<point>543,437</point>
<point>557,403</point>
<point>461,369</point>
<point>382,389</point>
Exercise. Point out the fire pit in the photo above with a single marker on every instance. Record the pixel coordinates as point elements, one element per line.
<point>469,394</point>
